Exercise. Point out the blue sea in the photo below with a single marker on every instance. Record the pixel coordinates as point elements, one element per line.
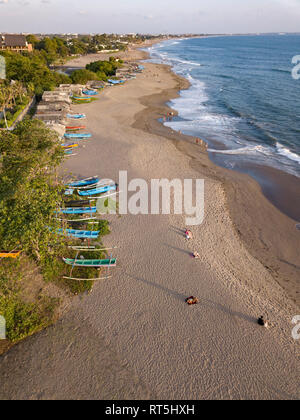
<point>243,100</point>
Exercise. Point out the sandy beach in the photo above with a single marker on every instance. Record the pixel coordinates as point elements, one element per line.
<point>134,337</point>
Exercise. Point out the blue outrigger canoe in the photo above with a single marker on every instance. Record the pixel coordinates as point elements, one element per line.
<point>84,182</point>
<point>78,210</point>
<point>97,191</point>
<point>82,98</point>
<point>76,116</point>
<point>82,234</point>
<point>77,135</point>
<point>90,92</point>
<point>116,82</point>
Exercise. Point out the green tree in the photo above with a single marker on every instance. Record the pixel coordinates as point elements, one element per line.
<point>29,192</point>
<point>83,76</point>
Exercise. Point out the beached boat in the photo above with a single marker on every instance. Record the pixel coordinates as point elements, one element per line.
<point>76,116</point>
<point>97,191</point>
<point>69,146</point>
<point>82,234</point>
<point>75,128</point>
<point>77,135</point>
<point>91,263</point>
<point>69,152</point>
<point>90,92</point>
<point>101,183</point>
<point>84,182</point>
<point>78,203</point>
<point>80,98</point>
<point>115,82</point>
<point>78,210</point>
<point>12,254</point>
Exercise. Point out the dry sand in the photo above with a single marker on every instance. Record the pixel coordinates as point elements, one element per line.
<point>134,337</point>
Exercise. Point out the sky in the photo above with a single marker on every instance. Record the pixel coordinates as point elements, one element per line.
<point>149,16</point>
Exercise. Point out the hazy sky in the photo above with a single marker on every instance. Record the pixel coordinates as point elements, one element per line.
<point>150,16</point>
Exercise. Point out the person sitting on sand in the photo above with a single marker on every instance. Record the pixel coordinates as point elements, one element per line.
<point>262,322</point>
<point>192,300</point>
<point>196,255</point>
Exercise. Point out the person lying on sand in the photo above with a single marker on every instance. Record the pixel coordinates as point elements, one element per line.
<point>196,255</point>
<point>262,322</point>
<point>192,300</point>
<point>188,234</point>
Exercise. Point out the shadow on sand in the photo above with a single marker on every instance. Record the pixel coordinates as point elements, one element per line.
<point>183,251</point>
<point>207,303</point>
<point>180,232</point>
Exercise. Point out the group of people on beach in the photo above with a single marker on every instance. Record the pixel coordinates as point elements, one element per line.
<point>169,116</point>
<point>192,300</point>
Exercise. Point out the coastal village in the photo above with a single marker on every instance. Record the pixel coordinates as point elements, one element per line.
<point>80,285</point>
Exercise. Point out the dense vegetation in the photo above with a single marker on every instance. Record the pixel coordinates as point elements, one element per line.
<point>98,70</point>
<point>30,195</point>
<point>33,72</point>
<point>13,99</point>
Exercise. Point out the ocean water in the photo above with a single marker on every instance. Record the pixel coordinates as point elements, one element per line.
<point>243,100</point>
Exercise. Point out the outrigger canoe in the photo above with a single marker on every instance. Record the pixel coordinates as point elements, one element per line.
<point>78,210</point>
<point>82,234</point>
<point>76,128</point>
<point>13,254</point>
<point>76,116</point>
<point>78,203</point>
<point>91,263</point>
<point>84,182</point>
<point>77,135</point>
<point>97,191</point>
<point>82,98</point>
<point>101,183</point>
<point>115,82</point>
<point>90,92</point>
<point>69,146</point>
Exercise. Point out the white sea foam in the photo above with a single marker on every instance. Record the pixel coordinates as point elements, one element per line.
<point>267,151</point>
<point>198,118</point>
<point>284,151</point>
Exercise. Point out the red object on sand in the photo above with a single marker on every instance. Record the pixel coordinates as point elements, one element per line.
<point>79,127</point>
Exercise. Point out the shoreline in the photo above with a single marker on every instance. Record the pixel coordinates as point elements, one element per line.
<point>269,235</point>
<point>134,337</point>
<point>281,188</point>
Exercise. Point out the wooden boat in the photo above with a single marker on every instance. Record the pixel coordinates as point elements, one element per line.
<point>12,254</point>
<point>76,116</point>
<point>70,152</point>
<point>82,234</point>
<point>91,263</point>
<point>78,210</point>
<point>101,183</point>
<point>80,98</point>
<point>97,191</point>
<point>115,82</point>
<point>69,146</point>
<point>76,128</point>
<point>84,182</point>
<point>78,203</point>
<point>90,92</point>
<point>77,135</point>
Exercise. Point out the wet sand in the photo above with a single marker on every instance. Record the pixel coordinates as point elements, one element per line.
<point>134,337</point>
